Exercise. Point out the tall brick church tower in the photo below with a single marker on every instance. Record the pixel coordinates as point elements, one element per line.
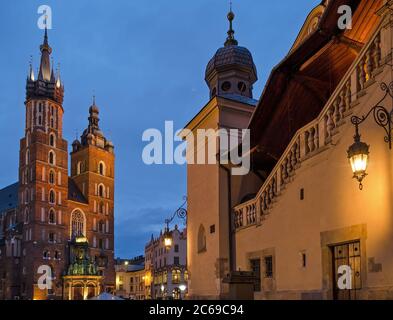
<point>54,210</point>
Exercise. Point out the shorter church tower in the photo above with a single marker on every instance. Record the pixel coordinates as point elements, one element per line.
<point>92,171</point>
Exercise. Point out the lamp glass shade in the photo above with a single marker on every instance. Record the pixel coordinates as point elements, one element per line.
<point>168,241</point>
<point>359,163</point>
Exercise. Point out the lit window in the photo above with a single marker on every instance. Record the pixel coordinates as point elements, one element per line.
<point>77,223</point>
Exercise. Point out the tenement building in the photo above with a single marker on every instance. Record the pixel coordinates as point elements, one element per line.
<point>53,225</point>
<point>166,275</point>
<point>298,222</point>
<point>130,278</point>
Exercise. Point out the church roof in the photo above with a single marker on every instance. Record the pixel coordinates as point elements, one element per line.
<point>239,98</point>
<point>74,194</point>
<point>9,197</point>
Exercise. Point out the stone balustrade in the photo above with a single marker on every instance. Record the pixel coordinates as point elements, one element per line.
<point>316,136</point>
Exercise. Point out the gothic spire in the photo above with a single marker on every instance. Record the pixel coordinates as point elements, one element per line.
<point>45,68</point>
<point>231,41</point>
<point>31,76</point>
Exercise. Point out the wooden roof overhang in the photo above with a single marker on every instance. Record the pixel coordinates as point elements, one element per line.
<point>299,87</point>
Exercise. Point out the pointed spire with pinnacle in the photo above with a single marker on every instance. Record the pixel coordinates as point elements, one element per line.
<point>31,76</point>
<point>45,66</point>
<point>231,41</point>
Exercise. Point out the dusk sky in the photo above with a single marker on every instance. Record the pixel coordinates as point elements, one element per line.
<point>145,61</point>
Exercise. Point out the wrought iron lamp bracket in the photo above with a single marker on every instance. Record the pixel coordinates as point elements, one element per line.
<point>382,116</point>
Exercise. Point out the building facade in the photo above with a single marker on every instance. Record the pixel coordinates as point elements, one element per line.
<point>166,273</point>
<point>54,208</point>
<point>297,217</point>
<point>130,278</point>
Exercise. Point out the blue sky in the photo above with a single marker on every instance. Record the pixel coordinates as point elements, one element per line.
<point>145,61</point>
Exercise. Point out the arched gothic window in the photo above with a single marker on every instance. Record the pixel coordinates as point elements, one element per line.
<point>52,158</point>
<point>51,177</point>
<point>52,139</point>
<point>52,217</point>
<point>77,223</point>
<point>101,190</point>
<point>52,197</point>
<point>101,168</point>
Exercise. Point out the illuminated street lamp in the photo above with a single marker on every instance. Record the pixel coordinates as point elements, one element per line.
<point>358,153</point>
<point>182,287</point>
<point>180,213</point>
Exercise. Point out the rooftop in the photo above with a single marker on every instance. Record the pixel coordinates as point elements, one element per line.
<point>9,197</point>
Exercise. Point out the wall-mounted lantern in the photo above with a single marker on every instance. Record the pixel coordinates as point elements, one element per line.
<point>358,153</point>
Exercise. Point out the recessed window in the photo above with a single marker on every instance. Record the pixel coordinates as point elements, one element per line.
<point>101,168</point>
<point>242,86</point>
<point>301,194</point>
<point>51,237</point>
<point>51,158</point>
<point>46,254</point>
<point>52,139</point>
<point>176,248</point>
<point>269,267</point>
<point>52,197</point>
<point>213,228</point>
<point>52,217</point>
<point>51,177</point>
<point>226,86</point>
<point>201,239</point>
<point>304,260</point>
<point>101,191</point>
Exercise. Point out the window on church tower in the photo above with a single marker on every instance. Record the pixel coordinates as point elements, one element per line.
<point>101,207</point>
<point>46,254</point>
<point>52,138</point>
<point>79,167</point>
<point>27,157</point>
<point>52,217</point>
<point>52,197</point>
<point>51,158</point>
<point>51,177</point>
<point>27,216</point>
<point>101,226</point>
<point>101,191</point>
<point>101,169</point>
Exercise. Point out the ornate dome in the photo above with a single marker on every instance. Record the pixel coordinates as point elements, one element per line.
<point>231,55</point>
<point>232,69</point>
